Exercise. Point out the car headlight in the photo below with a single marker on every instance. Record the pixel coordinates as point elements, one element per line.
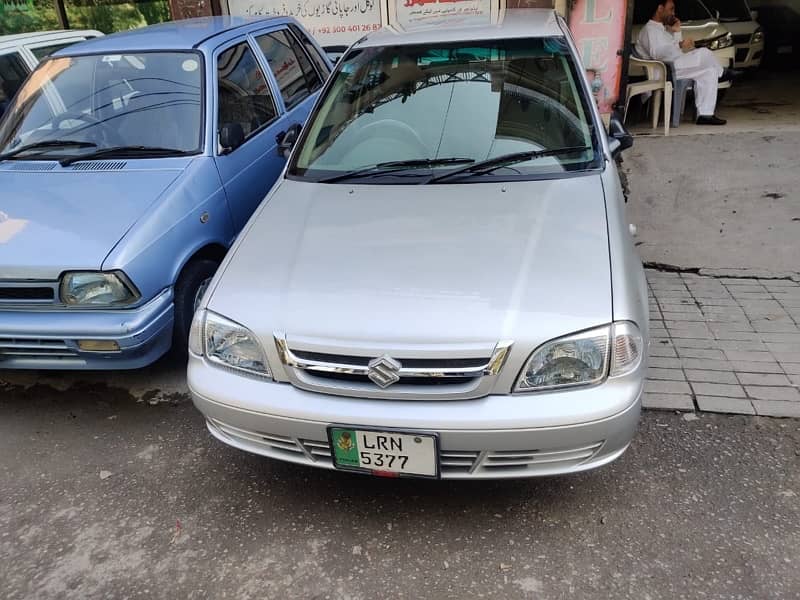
<point>227,344</point>
<point>758,37</point>
<point>723,41</point>
<point>94,288</point>
<point>582,359</point>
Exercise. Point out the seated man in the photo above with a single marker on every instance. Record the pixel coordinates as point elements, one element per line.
<point>661,40</point>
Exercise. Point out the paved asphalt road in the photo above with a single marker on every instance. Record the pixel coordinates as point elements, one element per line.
<point>104,496</point>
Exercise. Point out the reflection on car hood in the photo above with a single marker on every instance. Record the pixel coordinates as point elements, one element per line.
<point>64,219</point>
<point>423,264</point>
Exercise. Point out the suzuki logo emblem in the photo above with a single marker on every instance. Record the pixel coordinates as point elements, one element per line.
<point>384,371</point>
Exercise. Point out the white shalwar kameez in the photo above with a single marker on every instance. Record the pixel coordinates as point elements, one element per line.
<point>656,43</point>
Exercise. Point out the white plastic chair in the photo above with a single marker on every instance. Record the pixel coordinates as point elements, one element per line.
<point>657,83</point>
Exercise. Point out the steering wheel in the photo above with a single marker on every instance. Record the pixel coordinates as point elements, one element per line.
<point>102,132</point>
<point>402,132</point>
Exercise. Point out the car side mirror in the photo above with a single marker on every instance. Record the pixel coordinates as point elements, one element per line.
<point>620,139</point>
<point>716,14</point>
<point>287,139</point>
<point>754,15</point>
<point>231,136</point>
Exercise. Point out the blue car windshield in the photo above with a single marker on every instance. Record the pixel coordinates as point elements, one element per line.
<point>147,99</point>
<point>438,105</point>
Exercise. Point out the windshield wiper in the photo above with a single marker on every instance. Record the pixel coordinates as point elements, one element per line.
<point>504,160</point>
<point>396,165</point>
<point>46,145</point>
<point>126,151</point>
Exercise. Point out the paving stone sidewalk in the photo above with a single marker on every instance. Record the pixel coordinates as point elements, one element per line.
<point>726,345</point>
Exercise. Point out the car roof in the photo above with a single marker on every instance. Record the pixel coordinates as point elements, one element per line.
<point>43,36</point>
<point>174,35</point>
<point>513,23</point>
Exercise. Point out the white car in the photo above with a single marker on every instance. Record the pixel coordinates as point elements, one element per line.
<point>20,53</point>
<point>748,37</point>
<point>442,283</point>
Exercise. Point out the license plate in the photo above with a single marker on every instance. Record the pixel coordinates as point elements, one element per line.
<point>390,453</point>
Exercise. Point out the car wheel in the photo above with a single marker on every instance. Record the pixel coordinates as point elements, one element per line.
<point>192,284</point>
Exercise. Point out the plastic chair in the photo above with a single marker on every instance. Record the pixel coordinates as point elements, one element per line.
<point>680,88</point>
<point>658,83</point>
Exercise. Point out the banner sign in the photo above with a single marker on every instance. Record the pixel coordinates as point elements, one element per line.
<point>407,14</point>
<point>331,22</point>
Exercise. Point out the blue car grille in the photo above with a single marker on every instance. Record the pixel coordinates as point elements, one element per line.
<point>28,293</point>
<point>33,348</point>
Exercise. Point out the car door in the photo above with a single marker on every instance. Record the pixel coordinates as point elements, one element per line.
<point>13,71</point>
<point>248,121</point>
<point>298,67</point>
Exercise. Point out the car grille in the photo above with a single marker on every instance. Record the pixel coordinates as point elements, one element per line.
<point>742,38</point>
<point>275,446</point>
<point>26,293</point>
<point>32,348</point>
<point>454,464</point>
<point>404,375</point>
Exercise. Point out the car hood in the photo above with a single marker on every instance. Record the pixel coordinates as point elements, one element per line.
<point>702,30</point>
<point>62,219</point>
<point>694,30</point>
<point>471,263</point>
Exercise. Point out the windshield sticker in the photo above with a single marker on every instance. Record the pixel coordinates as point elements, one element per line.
<point>190,65</point>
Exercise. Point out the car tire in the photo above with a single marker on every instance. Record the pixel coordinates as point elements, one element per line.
<point>188,292</point>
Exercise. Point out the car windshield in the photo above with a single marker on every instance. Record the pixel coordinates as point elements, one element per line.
<point>97,102</point>
<point>730,10</point>
<point>410,110</point>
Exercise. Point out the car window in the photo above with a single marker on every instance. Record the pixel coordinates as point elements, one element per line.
<point>12,73</point>
<point>293,70</point>
<point>320,63</point>
<point>472,101</point>
<point>151,99</point>
<point>41,52</point>
<point>245,99</point>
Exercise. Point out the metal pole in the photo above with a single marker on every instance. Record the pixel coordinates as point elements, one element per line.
<point>623,80</point>
<point>61,11</point>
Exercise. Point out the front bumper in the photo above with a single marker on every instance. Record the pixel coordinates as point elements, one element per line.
<point>48,338</point>
<point>497,436</point>
<point>748,56</point>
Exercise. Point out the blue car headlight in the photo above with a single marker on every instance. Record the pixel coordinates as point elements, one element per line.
<point>94,288</point>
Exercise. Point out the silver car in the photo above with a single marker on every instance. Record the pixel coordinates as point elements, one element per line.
<point>442,283</point>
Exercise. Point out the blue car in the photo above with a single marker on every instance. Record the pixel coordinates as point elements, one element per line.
<point>128,165</point>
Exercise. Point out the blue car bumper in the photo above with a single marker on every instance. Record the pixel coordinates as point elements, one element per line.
<point>49,339</point>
